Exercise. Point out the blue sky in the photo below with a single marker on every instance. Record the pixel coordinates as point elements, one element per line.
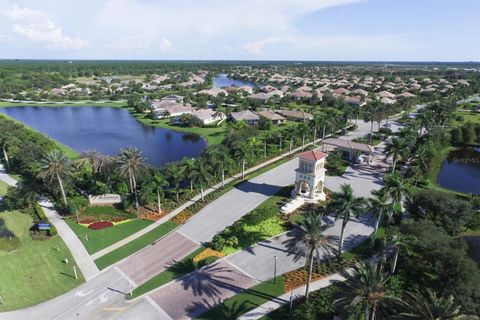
<point>367,30</point>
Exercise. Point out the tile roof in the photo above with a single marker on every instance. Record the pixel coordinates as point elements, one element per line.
<point>313,155</point>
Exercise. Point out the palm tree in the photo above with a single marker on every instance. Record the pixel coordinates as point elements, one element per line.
<point>241,153</point>
<point>303,130</point>
<point>429,306</point>
<point>221,161</point>
<point>131,165</point>
<point>380,206</point>
<point>396,149</point>
<point>200,173</point>
<point>176,174</point>
<point>254,144</point>
<point>395,187</point>
<point>364,289</point>
<point>399,241</point>
<point>370,114</point>
<point>345,205</point>
<point>189,166</point>
<point>4,140</point>
<point>309,241</point>
<point>158,182</point>
<point>56,165</point>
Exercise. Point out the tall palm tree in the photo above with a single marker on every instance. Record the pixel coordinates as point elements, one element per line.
<point>429,306</point>
<point>56,165</point>
<point>370,114</point>
<point>395,148</point>
<point>221,162</point>
<point>303,130</point>
<point>189,165</point>
<point>309,241</point>
<point>345,205</point>
<point>158,182</point>
<point>201,173</point>
<point>395,187</point>
<point>380,206</point>
<point>366,288</point>
<point>176,174</point>
<point>131,165</point>
<point>399,241</point>
<point>4,140</point>
<point>241,153</point>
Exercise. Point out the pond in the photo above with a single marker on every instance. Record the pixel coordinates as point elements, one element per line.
<point>107,130</point>
<point>223,80</point>
<point>461,171</point>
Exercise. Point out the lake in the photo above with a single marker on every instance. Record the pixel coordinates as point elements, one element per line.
<point>107,130</point>
<point>223,80</point>
<point>461,171</point>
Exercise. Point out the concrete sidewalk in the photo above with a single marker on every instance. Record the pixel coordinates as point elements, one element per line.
<point>80,254</point>
<point>6,178</point>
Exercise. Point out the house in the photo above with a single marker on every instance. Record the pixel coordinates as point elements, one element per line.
<point>262,96</point>
<point>58,92</point>
<point>301,94</point>
<point>272,116</point>
<point>355,101</point>
<point>360,92</point>
<point>173,110</point>
<point>351,150</point>
<point>173,98</point>
<point>207,116</point>
<point>385,94</point>
<point>295,115</point>
<point>246,115</point>
<point>406,95</point>
<point>213,92</point>
<point>340,91</point>
<point>268,88</point>
<point>387,101</point>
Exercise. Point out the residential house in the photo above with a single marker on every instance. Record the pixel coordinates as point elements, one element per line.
<point>207,116</point>
<point>246,115</point>
<point>355,100</point>
<point>295,115</point>
<point>173,110</point>
<point>272,116</point>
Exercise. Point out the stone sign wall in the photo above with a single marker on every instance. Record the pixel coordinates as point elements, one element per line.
<point>104,199</point>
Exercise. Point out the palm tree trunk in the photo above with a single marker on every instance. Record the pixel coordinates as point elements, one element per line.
<point>371,132</point>
<point>223,178</point>
<point>377,223</point>
<point>176,192</point>
<point>265,149</point>
<point>303,142</point>
<point>62,190</point>
<point>5,156</point>
<point>191,184</point>
<point>323,133</point>
<point>201,191</point>
<point>395,259</point>
<point>243,169</point>
<point>309,279</point>
<point>314,136</point>
<point>159,203</point>
<point>340,245</point>
<point>367,312</point>
<point>290,148</point>
<point>394,163</point>
<point>134,182</point>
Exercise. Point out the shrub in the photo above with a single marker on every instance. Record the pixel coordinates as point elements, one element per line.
<point>182,217</point>
<point>207,253</point>
<point>100,225</point>
<point>218,242</point>
<point>385,131</point>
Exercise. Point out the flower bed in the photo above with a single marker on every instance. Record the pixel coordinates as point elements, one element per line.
<point>182,217</point>
<point>153,216</point>
<point>207,253</point>
<point>100,225</point>
<point>298,278</point>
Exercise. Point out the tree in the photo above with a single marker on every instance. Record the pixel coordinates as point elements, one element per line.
<point>396,148</point>
<point>189,165</point>
<point>429,306</point>
<point>176,174</point>
<point>131,165</point>
<point>399,241</point>
<point>201,174</point>
<point>4,140</point>
<point>221,161</point>
<point>309,241</point>
<point>380,206</point>
<point>345,205</point>
<point>56,165</point>
<point>365,289</point>
<point>395,187</point>
<point>370,114</point>
<point>158,182</point>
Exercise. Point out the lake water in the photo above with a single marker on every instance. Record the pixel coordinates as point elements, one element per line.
<point>107,130</point>
<point>461,171</point>
<point>223,80</point>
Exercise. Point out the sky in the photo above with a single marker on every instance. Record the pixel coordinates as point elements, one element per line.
<point>318,30</point>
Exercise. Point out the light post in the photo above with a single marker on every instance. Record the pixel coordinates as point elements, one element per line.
<point>275,269</point>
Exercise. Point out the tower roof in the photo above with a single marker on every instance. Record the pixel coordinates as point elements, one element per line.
<point>313,155</point>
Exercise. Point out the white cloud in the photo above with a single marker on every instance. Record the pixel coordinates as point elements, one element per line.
<point>5,38</point>
<point>166,45</point>
<point>36,26</point>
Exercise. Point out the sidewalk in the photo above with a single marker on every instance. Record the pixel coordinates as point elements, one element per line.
<point>80,254</point>
<point>6,178</point>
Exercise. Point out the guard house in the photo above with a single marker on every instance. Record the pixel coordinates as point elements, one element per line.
<point>310,176</point>
<point>351,150</point>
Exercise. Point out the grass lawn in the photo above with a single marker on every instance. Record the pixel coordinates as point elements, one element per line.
<point>100,239</point>
<point>473,117</point>
<point>3,188</point>
<point>35,272</point>
<point>135,245</point>
<point>249,299</point>
<point>262,223</point>
<point>184,266</point>
<point>213,135</point>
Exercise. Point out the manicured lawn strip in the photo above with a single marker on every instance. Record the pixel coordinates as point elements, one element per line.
<point>135,245</point>
<point>3,188</point>
<point>245,301</point>
<point>166,276</point>
<point>100,239</point>
<point>36,271</point>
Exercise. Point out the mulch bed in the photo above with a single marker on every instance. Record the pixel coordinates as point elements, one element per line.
<point>298,278</point>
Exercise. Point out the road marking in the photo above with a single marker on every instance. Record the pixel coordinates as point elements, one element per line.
<point>114,309</point>
<point>82,293</point>
<point>101,299</point>
<point>188,238</point>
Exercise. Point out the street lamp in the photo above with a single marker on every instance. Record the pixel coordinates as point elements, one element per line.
<point>275,269</point>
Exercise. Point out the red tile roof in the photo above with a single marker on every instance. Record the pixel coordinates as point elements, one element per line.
<point>313,155</point>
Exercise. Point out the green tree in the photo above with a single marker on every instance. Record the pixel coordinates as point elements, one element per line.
<point>131,165</point>
<point>201,173</point>
<point>176,174</point>
<point>158,181</point>
<point>395,187</point>
<point>56,165</point>
<point>396,148</point>
<point>345,205</point>
<point>309,241</point>
<point>380,206</point>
